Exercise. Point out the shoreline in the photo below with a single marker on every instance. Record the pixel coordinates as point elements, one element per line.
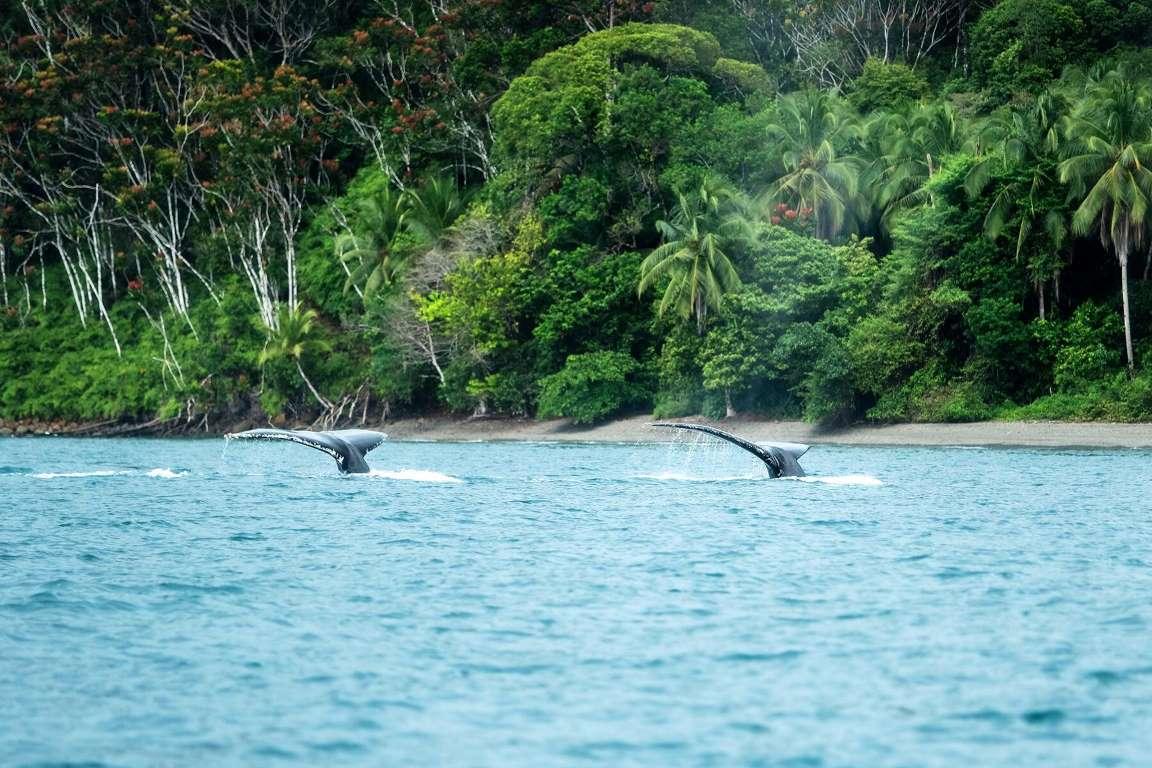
<point>635,429</point>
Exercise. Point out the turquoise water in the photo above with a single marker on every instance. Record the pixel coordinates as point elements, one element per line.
<point>183,603</point>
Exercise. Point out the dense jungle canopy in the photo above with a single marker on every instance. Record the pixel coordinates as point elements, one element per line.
<point>335,210</point>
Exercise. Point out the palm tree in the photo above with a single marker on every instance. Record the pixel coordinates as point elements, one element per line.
<point>907,148</point>
<point>1109,169</point>
<point>294,336</point>
<point>368,253</point>
<point>426,214</point>
<point>1022,156</point>
<point>809,128</point>
<point>692,256</point>
<point>433,208</point>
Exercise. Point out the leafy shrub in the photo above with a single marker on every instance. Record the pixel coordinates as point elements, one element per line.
<point>1118,399</point>
<point>590,387</point>
<point>745,78</point>
<point>575,211</point>
<point>885,86</point>
<point>819,369</point>
<point>881,353</point>
<point>1022,44</point>
<point>1060,406</point>
<point>505,392</point>
<point>928,396</point>
<point>1091,348</point>
<point>712,406</point>
<point>961,402</point>
<point>894,405</point>
<point>320,274</point>
<point>1002,344</point>
<point>671,404</point>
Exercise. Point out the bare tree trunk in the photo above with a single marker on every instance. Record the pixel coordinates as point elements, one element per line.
<point>729,411</point>
<point>1040,295</point>
<point>1123,253</point>
<point>308,383</point>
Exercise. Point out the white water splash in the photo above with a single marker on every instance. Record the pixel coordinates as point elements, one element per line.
<point>165,473</point>
<point>841,480</point>
<point>93,473</point>
<point>417,475</point>
<point>162,472</point>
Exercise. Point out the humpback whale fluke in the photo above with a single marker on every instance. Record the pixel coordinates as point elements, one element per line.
<point>347,446</point>
<point>782,459</point>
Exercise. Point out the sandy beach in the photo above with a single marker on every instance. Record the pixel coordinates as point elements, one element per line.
<point>636,430</point>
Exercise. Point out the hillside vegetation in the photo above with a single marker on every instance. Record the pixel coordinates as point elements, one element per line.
<point>342,210</point>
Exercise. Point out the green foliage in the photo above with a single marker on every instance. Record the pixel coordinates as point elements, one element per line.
<point>927,396</point>
<point>811,129</point>
<point>680,389</point>
<point>559,102</point>
<point>1119,398</point>
<point>590,387</point>
<point>57,368</point>
<point>506,391</point>
<point>1002,343</point>
<point>591,304</point>
<point>882,353</point>
<point>796,274</point>
<point>732,357</point>
<point>692,265</point>
<point>818,369</point>
<point>1088,353</point>
<point>575,211</point>
<point>371,257</point>
<point>886,86</point>
<point>1019,45</point>
<point>470,234</point>
<point>746,80</point>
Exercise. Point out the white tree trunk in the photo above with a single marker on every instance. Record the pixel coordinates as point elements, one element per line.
<point>327,404</point>
<point>1123,253</point>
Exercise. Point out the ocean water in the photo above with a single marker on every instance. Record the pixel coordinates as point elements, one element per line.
<point>192,603</point>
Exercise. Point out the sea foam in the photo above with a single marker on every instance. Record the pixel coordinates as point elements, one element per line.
<point>416,475</point>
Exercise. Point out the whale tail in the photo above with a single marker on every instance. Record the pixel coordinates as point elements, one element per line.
<point>782,459</point>
<point>346,446</point>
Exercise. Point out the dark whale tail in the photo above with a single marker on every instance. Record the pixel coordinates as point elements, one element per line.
<point>347,446</point>
<point>782,459</point>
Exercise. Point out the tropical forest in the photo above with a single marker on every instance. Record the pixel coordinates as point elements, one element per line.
<point>340,211</point>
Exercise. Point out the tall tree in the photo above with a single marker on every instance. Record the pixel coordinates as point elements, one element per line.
<point>368,251</point>
<point>810,129</point>
<point>692,257</point>
<point>1109,170</point>
<point>902,150</point>
<point>295,336</point>
<point>433,207</point>
<point>1019,165</point>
